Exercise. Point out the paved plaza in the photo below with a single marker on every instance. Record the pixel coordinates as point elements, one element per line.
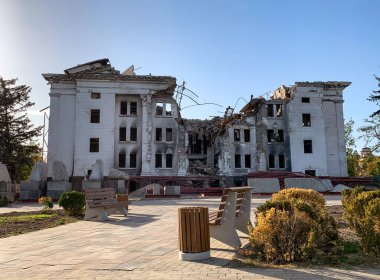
<point>143,245</point>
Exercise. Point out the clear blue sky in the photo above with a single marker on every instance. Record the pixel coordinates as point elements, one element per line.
<point>222,49</point>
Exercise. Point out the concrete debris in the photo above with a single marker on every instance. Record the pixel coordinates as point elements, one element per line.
<point>4,174</point>
<point>198,168</point>
<point>39,172</point>
<point>59,171</point>
<point>97,171</point>
<point>308,183</point>
<point>264,185</point>
<point>117,174</point>
<point>340,188</point>
<point>140,193</point>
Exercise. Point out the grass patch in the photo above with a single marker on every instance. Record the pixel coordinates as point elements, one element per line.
<point>24,218</point>
<point>16,223</point>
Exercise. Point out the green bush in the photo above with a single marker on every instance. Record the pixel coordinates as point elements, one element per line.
<point>73,203</point>
<point>294,226</point>
<point>362,211</point>
<point>3,201</point>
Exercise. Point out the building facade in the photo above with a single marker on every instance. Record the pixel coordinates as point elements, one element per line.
<point>132,123</point>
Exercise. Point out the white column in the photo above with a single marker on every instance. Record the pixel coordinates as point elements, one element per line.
<point>146,134</point>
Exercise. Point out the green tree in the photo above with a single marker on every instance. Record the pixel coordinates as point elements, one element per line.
<point>375,97</point>
<point>371,132</point>
<point>351,154</point>
<point>17,149</point>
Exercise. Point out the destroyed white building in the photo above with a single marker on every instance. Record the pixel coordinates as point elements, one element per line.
<point>133,123</point>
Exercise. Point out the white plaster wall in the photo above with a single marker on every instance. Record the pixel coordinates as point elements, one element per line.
<point>61,126</point>
<point>335,138</point>
<point>301,161</point>
<point>84,130</point>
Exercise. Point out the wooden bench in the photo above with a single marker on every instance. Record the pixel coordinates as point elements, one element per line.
<point>234,213</point>
<point>102,202</point>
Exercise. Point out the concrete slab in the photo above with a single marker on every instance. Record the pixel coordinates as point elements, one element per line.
<point>264,185</point>
<point>319,185</point>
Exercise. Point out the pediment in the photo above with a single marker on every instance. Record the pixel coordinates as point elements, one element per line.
<point>100,66</point>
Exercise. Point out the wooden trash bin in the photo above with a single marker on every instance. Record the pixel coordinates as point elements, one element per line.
<point>193,233</point>
<point>122,198</point>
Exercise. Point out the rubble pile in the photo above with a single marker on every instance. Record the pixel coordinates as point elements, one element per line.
<point>198,168</point>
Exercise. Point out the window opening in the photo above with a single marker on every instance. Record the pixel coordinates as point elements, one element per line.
<point>133,132</point>
<point>122,134</point>
<point>94,145</point>
<point>95,116</point>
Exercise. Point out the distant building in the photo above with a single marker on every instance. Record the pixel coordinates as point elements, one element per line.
<point>133,123</point>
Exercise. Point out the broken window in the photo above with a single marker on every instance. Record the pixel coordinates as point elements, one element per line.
<point>169,135</point>
<point>169,161</point>
<point>280,136</point>
<point>122,134</point>
<point>306,120</point>
<point>133,132</point>
<point>132,160</point>
<point>237,135</point>
<point>270,112</point>
<point>270,135</point>
<point>247,161</point>
<point>122,160</point>
<point>308,146</point>
<point>278,110</point>
<point>310,172</point>
<point>123,107</point>
<point>159,109</point>
<point>247,135</point>
<point>281,161</point>
<point>95,95</point>
<point>237,161</point>
<point>158,161</point>
<point>94,145</point>
<point>95,116</point>
<point>158,134</point>
<point>133,109</point>
<point>272,163</point>
<point>168,109</point>
<point>305,100</point>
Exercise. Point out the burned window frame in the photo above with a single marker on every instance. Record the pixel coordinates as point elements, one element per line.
<point>94,145</point>
<point>158,134</point>
<point>247,159</point>
<point>95,95</point>
<point>158,160</point>
<point>308,146</point>
<point>169,131</point>
<point>169,160</point>
<point>132,160</point>
<point>271,161</point>
<point>305,99</point>
<point>311,172</point>
<point>164,111</point>
<point>306,120</point>
<point>281,161</point>
<point>247,135</point>
<point>95,116</point>
<point>122,133</point>
<point>279,110</point>
<point>133,134</point>
<point>270,110</point>
<point>237,160</point>
<point>122,160</point>
<point>123,108</point>
<point>133,108</point>
<point>237,134</point>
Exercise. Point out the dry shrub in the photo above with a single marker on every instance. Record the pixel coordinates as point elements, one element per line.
<point>362,211</point>
<point>310,196</point>
<point>291,228</point>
